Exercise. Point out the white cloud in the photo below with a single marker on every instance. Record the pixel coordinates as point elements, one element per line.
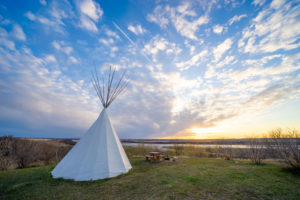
<point>188,28</point>
<point>87,24</point>
<point>221,49</point>
<point>183,18</point>
<point>277,4</point>
<point>46,21</point>
<point>18,32</point>
<point>253,88</point>
<point>58,14</point>
<point>192,47</point>
<point>160,45</point>
<point>7,43</point>
<point>227,60</point>
<point>30,16</point>
<point>266,59</point>
<point>259,2</point>
<point>90,13</point>
<point>43,2</point>
<point>73,59</point>
<point>3,32</point>
<point>236,18</point>
<point>111,33</point>
<point>138,30</point>
<point>68,50</point>
<point>62,47</point>
<point>218,29</point>
<point>157,44</point>
<point>107,42</point>
<point>91,9</point>
<point>272,30</point>
<point>255,69</point>
<point>54,19</point>
<point>194,61</point>
<point>159,16</point>
<point>50,58</point>
<point>113,51</point>
<point>49,97</point>
<point>56,45</point>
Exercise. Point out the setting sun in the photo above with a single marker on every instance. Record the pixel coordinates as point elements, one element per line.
<point>200,131</point>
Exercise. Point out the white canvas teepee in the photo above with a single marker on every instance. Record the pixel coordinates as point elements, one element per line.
<point>99,153</point>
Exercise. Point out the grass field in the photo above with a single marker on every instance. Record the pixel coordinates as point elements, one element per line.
<point>189,178</point>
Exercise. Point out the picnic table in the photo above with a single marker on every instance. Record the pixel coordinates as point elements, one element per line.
<point>155,156</point>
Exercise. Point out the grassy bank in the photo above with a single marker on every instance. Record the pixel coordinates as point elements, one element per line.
<point>189,178</point>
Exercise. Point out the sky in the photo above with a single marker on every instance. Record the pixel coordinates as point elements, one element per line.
<point>196,69</point>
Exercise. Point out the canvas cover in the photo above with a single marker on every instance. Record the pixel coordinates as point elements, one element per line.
<point>98,154</point>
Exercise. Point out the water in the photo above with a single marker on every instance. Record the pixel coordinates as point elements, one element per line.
<point>162,146</point>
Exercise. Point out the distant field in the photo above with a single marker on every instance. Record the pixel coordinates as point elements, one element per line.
<point>189,178</point>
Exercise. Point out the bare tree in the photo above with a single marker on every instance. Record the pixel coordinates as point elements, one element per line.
<point>6,152</point>
<point>226,152</point>
<point>47,152</point>
<point>25,152</point>
<point>286,144</point>
<point>256,150</point>
<point>178,149</point>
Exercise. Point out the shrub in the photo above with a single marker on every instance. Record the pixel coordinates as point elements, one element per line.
<point>256,150</point>
<point>61,152</point>
<point>25,152</point>
<point>241,153</point>
<point>139,150</point>
<point>47,152</point>
<point>20,153</point>
<point>6,152</point>
<point>286,144</point>
<point>178,149</point>
<point>226,152</point>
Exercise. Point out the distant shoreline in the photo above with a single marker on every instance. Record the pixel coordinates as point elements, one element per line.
<point>243,141</point>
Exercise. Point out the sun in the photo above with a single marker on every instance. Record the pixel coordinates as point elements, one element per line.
<point>200,131</point>
<point>196,130</point>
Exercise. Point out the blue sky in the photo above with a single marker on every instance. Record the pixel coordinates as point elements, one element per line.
<point>197,69</point>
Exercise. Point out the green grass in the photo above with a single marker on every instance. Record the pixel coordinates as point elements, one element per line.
<point>189,178</point>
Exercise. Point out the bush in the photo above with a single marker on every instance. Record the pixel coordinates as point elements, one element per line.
<point>139,150</point>
<point>47,153</point>
<point>195,151</point>
<point>21,153</point>
<point>241,153</point>
<point>25,152</point>
<point>6,152</point>
<point>256,150</point>
<point>286,144</point>
<point>226,152</point>
<point>178,149</point>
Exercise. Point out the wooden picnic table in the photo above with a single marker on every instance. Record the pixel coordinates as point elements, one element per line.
<point>155,156</point>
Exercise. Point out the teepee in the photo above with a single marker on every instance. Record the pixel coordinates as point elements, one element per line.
<point>99,153</point>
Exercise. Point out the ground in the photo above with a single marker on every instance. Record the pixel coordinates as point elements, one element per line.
<point>188,178</point>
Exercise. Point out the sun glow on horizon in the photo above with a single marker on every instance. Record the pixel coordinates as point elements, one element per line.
<point>200,131</point>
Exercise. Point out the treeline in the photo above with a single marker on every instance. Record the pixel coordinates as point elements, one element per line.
<point>21,153</point>
<point>282,145</point>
